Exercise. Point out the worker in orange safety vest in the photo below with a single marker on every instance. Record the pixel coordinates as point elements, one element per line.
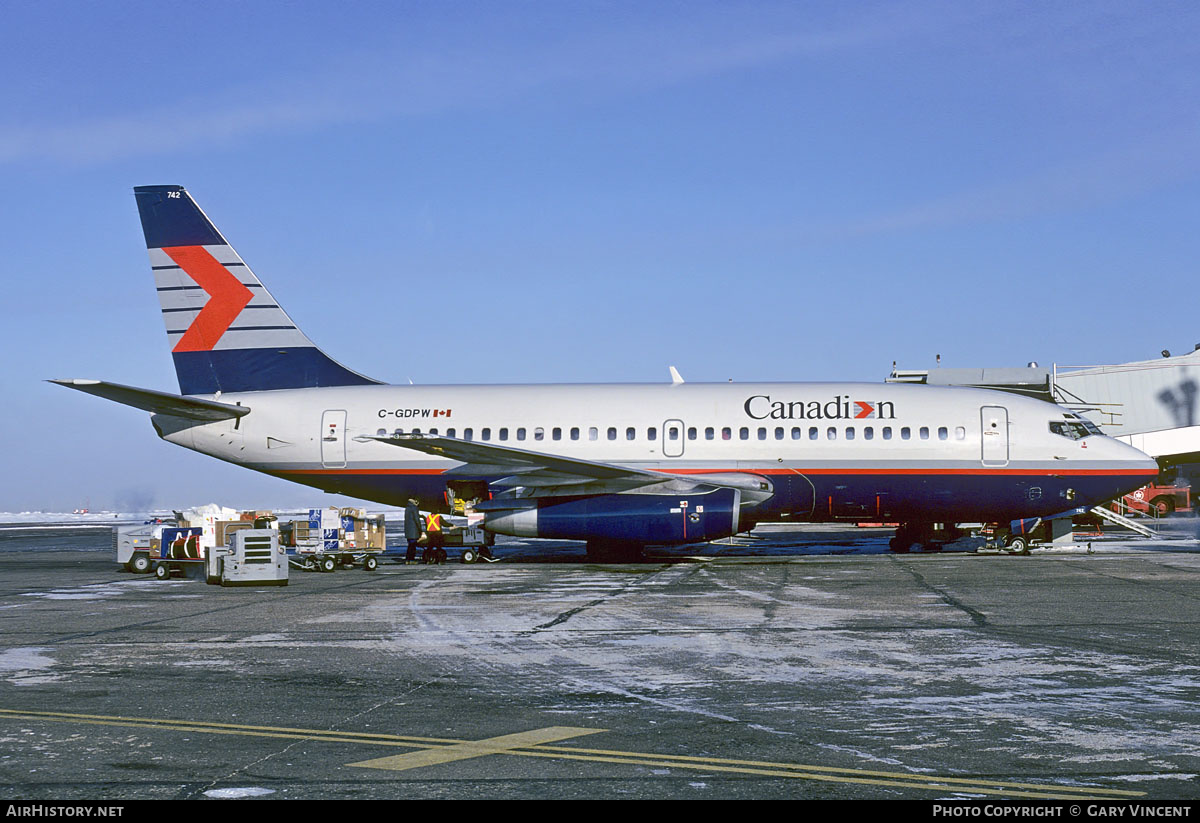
<point>434,539</point>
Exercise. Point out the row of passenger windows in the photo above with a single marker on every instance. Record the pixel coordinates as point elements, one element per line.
<point>674,433</point>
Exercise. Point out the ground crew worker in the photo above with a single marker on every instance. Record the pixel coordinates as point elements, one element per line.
<point>412,529</point>
<point>434,533</point>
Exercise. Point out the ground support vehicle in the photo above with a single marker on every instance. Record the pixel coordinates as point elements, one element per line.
<point>134,546</point>
<point>1154,499</point>
<point>253,557</point>
<point>1019,536</point>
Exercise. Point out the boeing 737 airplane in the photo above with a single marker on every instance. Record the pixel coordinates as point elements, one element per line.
<point>619,466</point>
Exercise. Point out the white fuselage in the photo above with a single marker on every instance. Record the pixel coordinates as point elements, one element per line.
<point>830,449</point>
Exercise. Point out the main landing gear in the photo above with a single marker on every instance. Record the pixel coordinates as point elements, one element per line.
<point>923,537</point>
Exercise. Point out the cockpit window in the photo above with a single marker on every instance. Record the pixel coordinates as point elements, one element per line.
<point>1073,429</point>
<point>1087,424</point>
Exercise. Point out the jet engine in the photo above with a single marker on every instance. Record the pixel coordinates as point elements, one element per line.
<point>689,517</point>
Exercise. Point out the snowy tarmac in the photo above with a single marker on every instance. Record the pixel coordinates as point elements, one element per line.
<point>802,662</point>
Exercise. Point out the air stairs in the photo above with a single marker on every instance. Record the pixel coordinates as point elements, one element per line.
<point>1111,516</point>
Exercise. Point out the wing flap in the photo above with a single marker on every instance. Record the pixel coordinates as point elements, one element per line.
<point>484,459</point>
<point>527,474</point>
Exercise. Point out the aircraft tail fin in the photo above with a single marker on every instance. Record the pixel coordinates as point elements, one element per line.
<point>227,333</point>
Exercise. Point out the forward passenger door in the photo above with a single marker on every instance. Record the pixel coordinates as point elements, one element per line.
<point>994,424</point>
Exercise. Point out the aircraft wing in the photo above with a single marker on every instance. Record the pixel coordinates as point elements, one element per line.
<point>158,402</point>
<point>547,475</point>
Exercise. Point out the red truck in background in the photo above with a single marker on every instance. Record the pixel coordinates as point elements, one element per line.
<point>1156,499</point>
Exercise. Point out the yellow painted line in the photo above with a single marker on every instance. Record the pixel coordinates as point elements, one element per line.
<point>231,728</point>
<point>504,744</point>
<point>684,761</point>
<point>1044,791</point>
<point>534,744</point>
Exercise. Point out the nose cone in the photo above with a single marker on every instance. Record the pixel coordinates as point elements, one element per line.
<point>1130,468</point>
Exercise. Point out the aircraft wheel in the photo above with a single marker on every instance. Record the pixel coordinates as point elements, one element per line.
<point>1018,545</point>
<point>140,564</point>
<point>468,555</point>
<point>162,571</point>
<point>328,564</point>
<point>371,564</point>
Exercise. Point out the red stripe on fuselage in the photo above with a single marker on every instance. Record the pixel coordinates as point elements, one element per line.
<point>227,297</point>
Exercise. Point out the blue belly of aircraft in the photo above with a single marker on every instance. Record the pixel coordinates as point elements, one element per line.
<point>933,496</point>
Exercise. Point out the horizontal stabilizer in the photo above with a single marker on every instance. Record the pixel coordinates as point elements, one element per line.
<point>158,402</point>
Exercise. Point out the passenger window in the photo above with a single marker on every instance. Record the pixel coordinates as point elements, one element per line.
<point>960,433</point>
<point>924,432</point>
<point>520,434</point>
<point>539,433</point>
<point>762,433</point>
<point>778,432</point>
<point>887,432</point>
<point>744,433</point>
<point>504,434</point>
<point>905,433</point>
<point>631,433</point>
<point>593,433</point>
<point>416,431</point>
<point>381,432</point>
<point>943,433</point>
<point>433,431</point>
<point>652,434</point>
<point>574,433</point>
<point>468,434</point>
<point>487,434</point>
<point>726,433</point>
<point>556,433</point>
<point>831,433</point>
<point>868,433</point>
<point>796,433</point>
<point>612,432</point>
<point>672,433</point>
<point>450,432</point>
<point>709,433</point>
<point>813,433</point>
<point>849,432</point>
<point>691,432</point>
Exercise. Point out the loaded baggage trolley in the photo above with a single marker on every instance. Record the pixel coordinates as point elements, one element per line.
<point>179,548</point>
<point>331,538</point>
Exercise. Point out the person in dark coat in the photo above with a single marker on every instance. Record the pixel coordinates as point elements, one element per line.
<point>412,529</point>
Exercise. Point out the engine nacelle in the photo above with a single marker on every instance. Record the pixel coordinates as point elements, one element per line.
<point>629,518</point>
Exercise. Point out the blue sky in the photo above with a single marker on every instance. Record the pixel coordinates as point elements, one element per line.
<point>459,192</point>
